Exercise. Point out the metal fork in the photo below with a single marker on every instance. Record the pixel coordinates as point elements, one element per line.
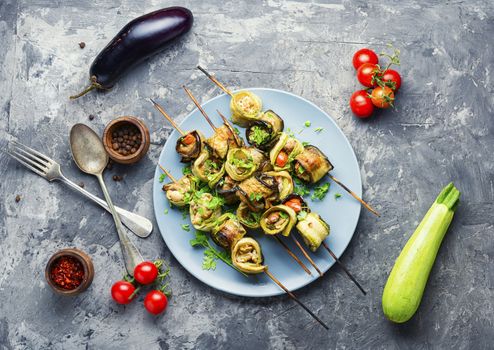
<point>50,170</point>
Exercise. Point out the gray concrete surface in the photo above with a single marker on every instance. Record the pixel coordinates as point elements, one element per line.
<point>441,130</point>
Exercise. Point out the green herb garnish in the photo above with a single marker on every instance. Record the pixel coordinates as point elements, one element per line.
<point>319,129</point>
<point>185,227</point>
<point>320,192</point>
<point>307,123</point>
<point>166,211</point>
<point>255,197</point>
<point>258,135</point>
<point>186,170</point>
<point>337,195</point>
<point>305,143</point>
<point>300,188</point>
<point>302,215</point>
<point>162,178</point>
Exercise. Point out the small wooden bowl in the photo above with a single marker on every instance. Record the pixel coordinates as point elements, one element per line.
<point>116,124</point>
<point>87,264</point>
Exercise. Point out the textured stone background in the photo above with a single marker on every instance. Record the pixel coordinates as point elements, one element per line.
<point>442,130</point>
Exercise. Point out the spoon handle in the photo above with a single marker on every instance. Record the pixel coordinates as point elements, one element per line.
<point>131,255</point>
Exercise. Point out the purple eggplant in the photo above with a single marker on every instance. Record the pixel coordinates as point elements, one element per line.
<point>138,40</point>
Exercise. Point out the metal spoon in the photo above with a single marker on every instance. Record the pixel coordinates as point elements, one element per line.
<point>90,156</point>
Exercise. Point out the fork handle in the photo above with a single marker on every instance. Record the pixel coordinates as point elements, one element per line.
<point>139,225</point>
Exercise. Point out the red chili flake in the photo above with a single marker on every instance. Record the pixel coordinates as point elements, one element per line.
<point>67,272</point>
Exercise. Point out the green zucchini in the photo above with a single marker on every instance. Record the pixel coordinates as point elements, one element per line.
<point>406,283</point>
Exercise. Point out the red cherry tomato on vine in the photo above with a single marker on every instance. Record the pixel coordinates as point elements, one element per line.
<point>155,302</point>
<point>391,76</point>
<point>382,97</point>
<point>361,105</point>
<point>364,56</point>
<point>365,74</point>
<point>122,291</point>
<point>146,272</point>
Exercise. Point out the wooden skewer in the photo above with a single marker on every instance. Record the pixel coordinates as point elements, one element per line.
<point>167,173</point>
<point>226,121</point>
<point>291,295</point>
<point>289,251</point>
<point>162,111</point>
<point>367,206</point>
<point>343,267</point>
<point>214,80</point>
<point>199,107</point>
<point>307,256</point>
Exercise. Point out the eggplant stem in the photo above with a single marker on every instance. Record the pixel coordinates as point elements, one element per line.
<point>85,91</point>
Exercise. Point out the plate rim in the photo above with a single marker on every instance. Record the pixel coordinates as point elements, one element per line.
<point>314,277</point>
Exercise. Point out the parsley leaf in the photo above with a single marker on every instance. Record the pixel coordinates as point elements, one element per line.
<point>258,135</point>
<point>166,211</point>
<point>186,170</point>
<point>209,260</point>
<point>300,188</point>
<point>319,129</point>
<point>305,143</point>
<point>185,227</point>
<point>320,192</point>
<point>307,123</point>
<point>162,178</point>
<point>337,195</point>
<point>302,215</point>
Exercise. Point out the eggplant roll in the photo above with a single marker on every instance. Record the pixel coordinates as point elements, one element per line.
<point>290,146</point>
<point>247,256</point>
<point>313,230</point>
<point>284,182</point>
<point>179,193</point>
<point>189,146</point>
<point>256,190</point>
<point>278,219</point>
<point>240,164</point>
<point>228,231</point>
<point>204,213</point>
<point>296,202</point>
<point>274,120</point>
<point>227,188</point>
<point>247,217</point>
<point>224,138</point>
<point>261,135</point>
<point>246,107</point>
<point>208,168</point>
<point>311,165</point>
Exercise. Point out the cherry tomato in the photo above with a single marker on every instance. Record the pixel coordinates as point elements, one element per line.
<point>282,159</point>
<point>188,139</point>
<point>382,97</point>
<point>361,104</point>
<point>365,74</point>
<point>364,56</point>
<point>155,302</point>
<point>391,76</point>
<point>295,204</point>
<point>146,272</point>
<point>122,291</point>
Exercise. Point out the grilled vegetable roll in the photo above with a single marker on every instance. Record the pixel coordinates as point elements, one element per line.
<point>247,217</point>
<point>208,168</point>
<point>204,211</point>
<point>297,203</point>
<point>228,231</point>
<point>241,164</point>
<point>274,120</point>
<point>278,219</point>
<point>246,107</point>
<point>247,256</point>
<point>313,230</point>
<point>284,152</point>
<point>223,139</point>
<point>189,146</point>
<point>179,193</point>
<point>256,190</point>
<point>261,134</point>
<point>227,188</point>
<point>284,182</point>
<point>311,165</point>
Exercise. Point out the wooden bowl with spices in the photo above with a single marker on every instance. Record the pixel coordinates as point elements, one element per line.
<point>69,272</point>
<point>126,139</point>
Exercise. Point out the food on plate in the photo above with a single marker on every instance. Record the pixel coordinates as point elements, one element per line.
<point>208,168</point>
<point>245,107</point>
<point>256,191</point>
<point>406,283</point>
<point>227,189</point>
<point>284,182</point>
<point>364,56</point>
<point>227,231</point>
<point>179,193</point>
<point>248,217</point>
<point>311,165</point>
<point>190,146</point>
<point>247,256</point>
<point>204,210</point>
<point>313,230</point>
<point>284,152</point>
<point>241,163</point>
<point>223,140</point>
<point>138,40</point>
<point>278,219</point>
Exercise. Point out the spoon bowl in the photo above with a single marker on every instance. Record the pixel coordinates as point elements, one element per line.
<point>87,150</point>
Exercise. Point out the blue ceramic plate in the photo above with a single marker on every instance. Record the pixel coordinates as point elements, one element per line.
<point>342,214</point>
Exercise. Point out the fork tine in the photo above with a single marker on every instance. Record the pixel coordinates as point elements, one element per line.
<point>31,158</point>
<point>14,155</point>
<point>33,151</point>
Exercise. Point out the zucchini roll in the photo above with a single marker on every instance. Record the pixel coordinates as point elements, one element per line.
<point>278,219</point>
<point>247,217</point>
<point>223,139</point>
<point>284,182</point>
<point>311,165</point>
<point>240,163</point>
<point>246,107</point>
<point>263,134</point>
<point>274,120</point>
<point>227,188</point>
<point>284,152</point>
<point>189,146</point>
<point>296,202</point>
<point>179,193</point>
<point>256,190</point>
<point>247,256</point>
<point>208,168</point>
<point>204,211</point>
<point>313,230</point>
<point>227,231</point>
